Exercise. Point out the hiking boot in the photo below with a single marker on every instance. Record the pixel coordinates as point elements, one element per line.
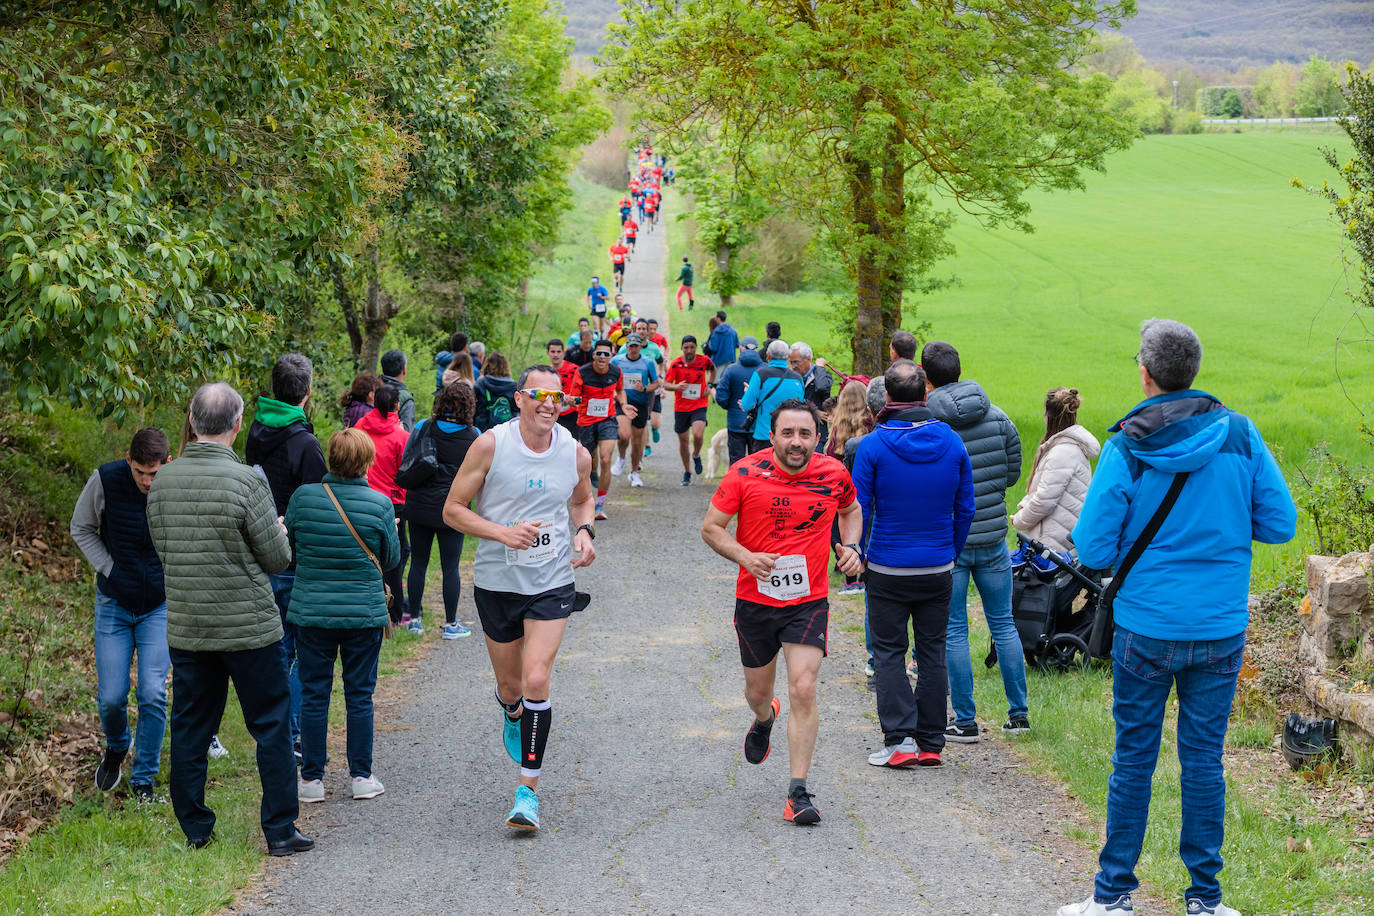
<point>367,787</point>
<point>1121,906</point>
<point>756,740</point>
<point>524,815</point>
<point>962,734</point>
<point>310,790</point>
<point>901,754</point>
<point>108,773</point>
<point>1197,908</point>
<point>1016,725</point>
<point>800,809</point>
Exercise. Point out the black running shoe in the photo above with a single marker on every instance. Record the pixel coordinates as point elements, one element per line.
<point>963,734</point>
<point>800,810</point>
<point>108,774</point>
<point>756,743</point>
<point>696,464</point>
<point>142,791</point>
<point>1016,725</point>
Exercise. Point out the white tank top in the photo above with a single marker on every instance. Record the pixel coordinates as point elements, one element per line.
<point>524,485</point>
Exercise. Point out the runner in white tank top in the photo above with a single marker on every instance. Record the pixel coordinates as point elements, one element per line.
<point>532,502</point>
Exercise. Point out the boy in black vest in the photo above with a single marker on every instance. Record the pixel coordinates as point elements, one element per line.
<point>110,525</point>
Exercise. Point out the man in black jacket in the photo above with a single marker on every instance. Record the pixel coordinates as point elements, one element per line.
<point>282,443</point>
<point>110,525</point>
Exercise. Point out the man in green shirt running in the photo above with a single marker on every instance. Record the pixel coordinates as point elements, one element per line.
<point>684,279</point>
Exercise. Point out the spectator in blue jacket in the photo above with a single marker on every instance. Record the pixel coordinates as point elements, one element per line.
<point>768,387</point>
<point>1181,612</point>
<point>730,389</point>
<point>722,343</point>
<point>915,483</point>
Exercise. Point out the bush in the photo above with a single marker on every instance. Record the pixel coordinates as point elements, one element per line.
<point>1218,101</point>
<point>1339,497</point>
<point>1185,122</point>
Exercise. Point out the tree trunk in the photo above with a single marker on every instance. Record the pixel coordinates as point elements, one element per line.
<point>722,268</point>
<point>893,216</point>
<point>349,309</point>
<point>525,296</point>
<point>378,311</point>
<point>868,346</point>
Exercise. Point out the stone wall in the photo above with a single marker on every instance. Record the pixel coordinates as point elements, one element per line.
<point>1337,642</point>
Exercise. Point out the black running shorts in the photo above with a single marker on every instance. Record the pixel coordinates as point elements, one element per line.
<point>599,431</point>
<point>641,417</point>
<point>503,614</point>
<point>658,403</point>
<point>618,268</point>
<point>763,628</point>
<point>683,419</point>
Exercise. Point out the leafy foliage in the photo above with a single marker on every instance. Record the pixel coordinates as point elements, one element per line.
<point>729,206</point>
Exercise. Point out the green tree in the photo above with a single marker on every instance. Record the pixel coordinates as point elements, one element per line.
<point>1274,90</point>
<point>877,107</point>
<point>171,176</point>
<point>1230,106</point>
<point>1317,94</point>
<point>728,206</point>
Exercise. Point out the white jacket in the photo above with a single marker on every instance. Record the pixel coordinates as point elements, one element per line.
<point>1054,496</point>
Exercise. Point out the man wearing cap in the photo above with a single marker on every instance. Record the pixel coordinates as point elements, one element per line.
<point>730,388</point>
<point>596,301</point>
<point>640,377</point>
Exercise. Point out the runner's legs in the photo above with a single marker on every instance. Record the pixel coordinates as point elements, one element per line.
<point>758,689</point>
<point>541,642</point>
<point>803,717</point>
<point>698,436</point>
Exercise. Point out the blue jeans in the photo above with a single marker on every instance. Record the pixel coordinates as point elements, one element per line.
<point>990,569</point>
<point>1143,671</point>
<point>282,585</point>
<point>357,650</point>
<point>118,633</point>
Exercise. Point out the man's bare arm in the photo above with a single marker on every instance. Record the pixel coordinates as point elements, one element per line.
<point>466,483</point>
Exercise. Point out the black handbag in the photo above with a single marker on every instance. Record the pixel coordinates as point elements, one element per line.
<point>420,460</point>
<point>751,418</point>
<point>1104,623</point>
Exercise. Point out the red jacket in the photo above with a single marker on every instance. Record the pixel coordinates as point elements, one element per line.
<point>390,439</point>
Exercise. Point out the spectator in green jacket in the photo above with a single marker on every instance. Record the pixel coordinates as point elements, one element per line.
<point>339,604</point>
<point>215,527</point>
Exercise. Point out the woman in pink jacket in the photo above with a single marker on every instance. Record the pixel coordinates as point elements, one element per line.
<point>384,426</point>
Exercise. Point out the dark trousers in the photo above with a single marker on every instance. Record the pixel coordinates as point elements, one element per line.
<point>422,538</point>
<point>357,649</point>
<point>923,601</point>
<point>758,445</point>
<point>738,444</point>
<point>200,686</point>
<point>394,577</point>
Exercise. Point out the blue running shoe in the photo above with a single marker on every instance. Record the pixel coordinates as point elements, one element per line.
<point>525,814</point>
<point>696,464</point>
<point>649,450</point>
<point>455,631</point>
<point>510,736</point>
<point>655,435</point>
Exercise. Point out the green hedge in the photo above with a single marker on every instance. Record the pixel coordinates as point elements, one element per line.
<point>1226,101</point>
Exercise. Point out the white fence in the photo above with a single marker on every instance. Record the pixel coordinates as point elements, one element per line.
<point>1261,122</point>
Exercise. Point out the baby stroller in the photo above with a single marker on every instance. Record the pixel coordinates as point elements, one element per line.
<point>1045,587</point>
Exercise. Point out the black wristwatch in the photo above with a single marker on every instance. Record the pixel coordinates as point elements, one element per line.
<point>588,528</point>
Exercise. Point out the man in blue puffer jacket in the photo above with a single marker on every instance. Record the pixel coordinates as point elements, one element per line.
<point>915,484</point>
<point>1181,611</point>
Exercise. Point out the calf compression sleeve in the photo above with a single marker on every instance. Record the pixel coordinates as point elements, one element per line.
<point>534,734</point>
<point>511,708</point>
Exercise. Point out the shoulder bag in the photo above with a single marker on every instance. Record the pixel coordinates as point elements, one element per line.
<point>1104,624</point>
<point>751,418</point>
<point>390,598</point>
<point>420,460</point>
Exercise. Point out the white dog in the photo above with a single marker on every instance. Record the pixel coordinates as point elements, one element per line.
<point>718,456</point>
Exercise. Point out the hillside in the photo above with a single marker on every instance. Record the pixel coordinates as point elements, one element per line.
<point>1214,33</point>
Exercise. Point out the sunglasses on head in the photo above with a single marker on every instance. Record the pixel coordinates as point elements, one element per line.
<point>544,394</point>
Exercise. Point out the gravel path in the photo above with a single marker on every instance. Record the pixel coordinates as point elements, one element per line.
<point>646,801</point>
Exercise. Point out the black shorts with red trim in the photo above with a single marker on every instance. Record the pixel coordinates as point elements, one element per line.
<point>763,628</point>
<point>683,419</point>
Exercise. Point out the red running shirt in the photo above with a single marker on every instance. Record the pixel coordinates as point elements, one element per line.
<point>618,253</point>
<point>566,371</point>
<point>630,227</point>
<point>597,391</point>
<point>777,512</point>
<point>694,373</point>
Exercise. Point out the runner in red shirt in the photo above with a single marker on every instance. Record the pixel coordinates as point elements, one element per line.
<point>784,500</point>
<point>619,252</point>
<point>631,230</point>
<point>601,393</point>
<point>651,212</point>
<point>690,375</point>
<point>567,417</point>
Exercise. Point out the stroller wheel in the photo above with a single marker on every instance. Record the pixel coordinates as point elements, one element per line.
<point>1065,652</point>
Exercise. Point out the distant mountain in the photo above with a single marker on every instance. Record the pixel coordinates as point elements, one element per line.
<point>1215,33</point>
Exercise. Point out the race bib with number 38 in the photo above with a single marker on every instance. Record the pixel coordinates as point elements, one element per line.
<point>544,548</point>
<point>788,581</point>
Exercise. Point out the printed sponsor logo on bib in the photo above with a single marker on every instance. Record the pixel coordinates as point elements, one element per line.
<point>692,392</point>
<point>599,408</point>
<point>788,581</point>
<point>544,548</point>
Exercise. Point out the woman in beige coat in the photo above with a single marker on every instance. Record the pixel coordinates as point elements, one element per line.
<point>1060,474</point>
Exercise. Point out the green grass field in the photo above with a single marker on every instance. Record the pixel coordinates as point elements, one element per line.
<point>1203,228</point>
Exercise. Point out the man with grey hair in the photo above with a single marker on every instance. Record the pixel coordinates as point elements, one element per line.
<point>1183,487</point>
<point>769,386</point>
<point>214,524</point>
<point>730,389</point>
<point>816,384</point>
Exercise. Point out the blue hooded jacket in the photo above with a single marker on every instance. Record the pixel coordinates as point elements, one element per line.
<point>1193,581</point>
<point>914,481</point>
<point>730,388</point>
<point>723,343</point>
<point>769,386</point>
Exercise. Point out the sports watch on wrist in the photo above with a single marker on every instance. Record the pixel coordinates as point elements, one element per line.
<point>588,528</point>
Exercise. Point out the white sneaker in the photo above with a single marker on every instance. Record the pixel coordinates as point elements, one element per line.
<point>634,479</point>
<point>367,787</point>
<point>310,790</point>
<point>1197,908</point>
<point>1090,907</point>
<point>217,750</point>
<point>617,466</point>
<point>902,754</point>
